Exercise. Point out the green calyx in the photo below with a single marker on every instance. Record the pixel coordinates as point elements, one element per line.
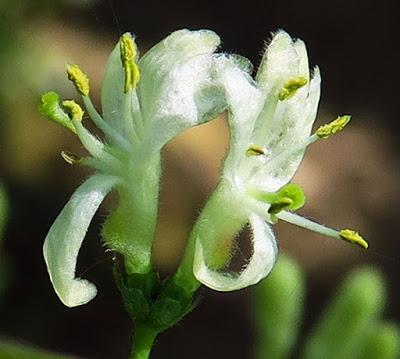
<point>159,305</point>
<point>291,86</point>
<point>50,107</point>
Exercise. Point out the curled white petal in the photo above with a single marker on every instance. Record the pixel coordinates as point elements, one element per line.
<point>260,264</point>
<point>279,63</point>
<point>245,102</point>
<point>304,69</point>
<point>287,152</point>
<point>176,90</point>
<point>62,243</point>
<point>112,92</point>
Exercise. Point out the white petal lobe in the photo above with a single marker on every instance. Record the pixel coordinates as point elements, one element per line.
<point>62,243</point>
<point>263,258</point>
<point>176,90</point>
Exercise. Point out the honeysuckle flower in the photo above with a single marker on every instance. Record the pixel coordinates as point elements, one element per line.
<point>145,103</point>
<point>270,121</point>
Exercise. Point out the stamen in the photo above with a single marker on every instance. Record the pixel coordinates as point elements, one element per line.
<point>71,158</point>
<point>128,51</point>
<point>353,237</point>
<point>103,125</point>
<point>345,234</point>
<point>291,86</point>
<point>323,132</point>
<point>74,110</point>
<point>333,127</point>
<point>91,143</point>
<point>255,150</point>
<point>50,107</point>
<point>79,79</point>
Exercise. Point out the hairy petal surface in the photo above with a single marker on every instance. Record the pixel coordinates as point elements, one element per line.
<point>244,104</point>
<point>62,243</point>
<point>296,120</point>
<point>260,264</point>
<point>176,90</point>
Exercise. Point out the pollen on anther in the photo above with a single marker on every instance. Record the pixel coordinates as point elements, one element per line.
<point>255,150</point>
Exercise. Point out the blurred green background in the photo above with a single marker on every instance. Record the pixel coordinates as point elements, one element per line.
<point>350,180</point>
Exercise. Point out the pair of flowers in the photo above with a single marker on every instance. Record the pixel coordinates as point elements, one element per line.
<point>180,83</point>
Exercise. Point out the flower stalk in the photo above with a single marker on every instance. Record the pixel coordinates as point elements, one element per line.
<point>143,340</point>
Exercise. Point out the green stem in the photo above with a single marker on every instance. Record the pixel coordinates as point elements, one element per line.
<point>143,340</point>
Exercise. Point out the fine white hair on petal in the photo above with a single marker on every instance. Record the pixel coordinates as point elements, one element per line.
<point>112,91</point>
<point>314,93</point>
<point>244,101</point>
<point>279,62</point>
<point>174,75</point>
<point>163,68</point>
<point>62,243</point>
<point>298,116</point>
<point>263,259</point>
<point>301,50</point>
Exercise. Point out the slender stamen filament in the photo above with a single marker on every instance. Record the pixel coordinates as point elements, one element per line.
<point>91,143</point>
<point>322,132</point>
<point>129,125</point>
<point>297,220</point>
<point>103,125</point>
<point>96,148</point>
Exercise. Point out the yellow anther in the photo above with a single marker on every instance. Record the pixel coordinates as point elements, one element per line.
<point>129,52</point>
<point>255,150</point>
<point>74,110</point>
<point>79,79</point>
<point>71,158</point>
<point>291,86</point>
<point>333,127</point>
<point>353,237</point>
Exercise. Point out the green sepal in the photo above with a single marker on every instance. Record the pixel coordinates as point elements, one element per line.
<point>50,107</point>
<point>170,307</point>
<point>137,291</point>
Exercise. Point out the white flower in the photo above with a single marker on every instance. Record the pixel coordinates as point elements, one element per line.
<point>270,121</point>
<point>145,103</point>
